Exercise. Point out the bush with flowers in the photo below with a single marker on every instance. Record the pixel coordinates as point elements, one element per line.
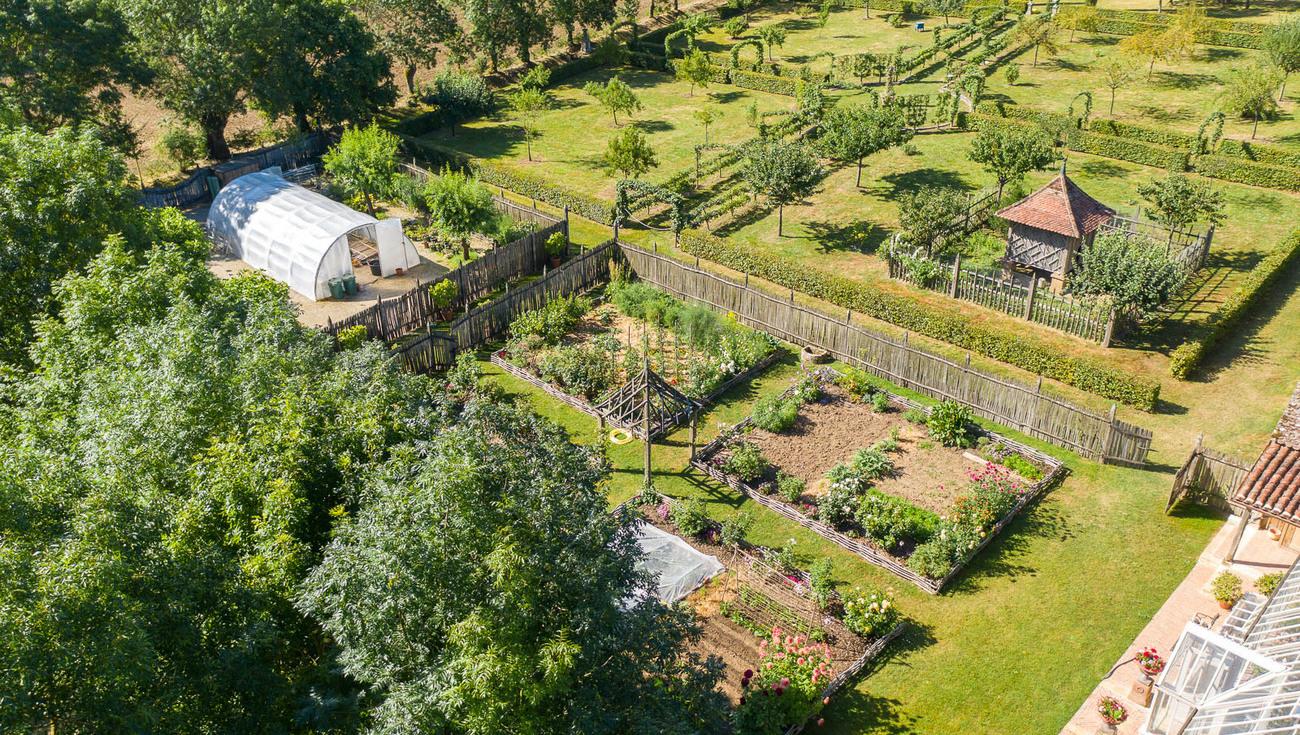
<point>869,613</point>
<point>786,688</point>
<point>993,493</point>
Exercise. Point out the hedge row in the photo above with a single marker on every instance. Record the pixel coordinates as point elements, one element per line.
<point>1188,357</point>
<point>1126,149</point>
<point>1244,171</point>
<point>1156,136</point>
<point>1094,376</point>
<point>1246,27</point>
<point>435,156</point>
<point>1258,153</point>
<point>788,86</point>
<point>1210,37</point>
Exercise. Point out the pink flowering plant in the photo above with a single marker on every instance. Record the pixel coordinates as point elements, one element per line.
<point>869,613</point>
<point>786,688</point>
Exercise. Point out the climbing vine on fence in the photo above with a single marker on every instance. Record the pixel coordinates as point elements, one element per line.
<point>753,43</point>
<point>645,190</point>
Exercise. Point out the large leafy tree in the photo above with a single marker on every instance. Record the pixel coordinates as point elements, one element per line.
<point>460,206</point>
<point>1010,153</point>
<point>1136,273</point>
<point>929,216</point>
<point>783,172</point>
<point>412,31</point>
<point>66,63</point>
<point>1282,44</point>
<point>1039,31</point>
<point>614,95</point>
<point>853,132</point>
<point>364,161</point>
<point>508,24</point>
<point>169,474</point>
<point>61,195</point>
<point>1180,201</point>
<point>585,13</point>
<point>1249,93</point>
<point>325,68</point>
<point>486,588</point>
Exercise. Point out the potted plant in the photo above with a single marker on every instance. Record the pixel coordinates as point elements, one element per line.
<point>1150,662</point>
<point>1111,711</point>
<point>556,245</point>
<point>1226,588</point>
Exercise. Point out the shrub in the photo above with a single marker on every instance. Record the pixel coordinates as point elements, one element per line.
<point>857,383</point>
<point>866,466</point>
<point>584,370</point>
<point>993,493</point>
<point>734,528</point>
<point>947,547</point>
<point>1155,136</point>
<point>765,82</point>
<point>1011,460</point>
<point>1187,358</point>
<point>1226,588</point>
<point>880,403</point>
<point>808,389</point>
<point>690,518</point>
<point>1126,149</point>
<point>820,584</point>
<point>785,687</point>
<point>444,294</point>
<point>557,243</point>
<point>869,613</point>
<point>1268,583</point>
<point>891,521</point>
<point>551,322</point>
<point>183,145</point>
<point>789,487</point>
<point>948,424</point>
<point>946,325</point>
<point>352,337</point>
<point>461,96</point>
<point>746,461</point>
<point>1258,153</point>
<point>776,413</point>
<point>838,505</point>
<point>916,416</point>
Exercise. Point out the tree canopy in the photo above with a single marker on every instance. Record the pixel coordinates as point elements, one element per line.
<point>1281,41</point>
<point>1136,273</point>
<point>1179,201</point>
<point>434,593</point>
<point>460,206</point>
<point>782,172</point>
<point>364,162</point>
<point>629,154</point>
<point>927,215</point>
<point>614,95</point>
<point>1011,153</point>
<point>853,132</point>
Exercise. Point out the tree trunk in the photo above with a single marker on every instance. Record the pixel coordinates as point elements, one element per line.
<point>780,220</point>
<point>1151,68</point>
<point>370,204</point>
<point>528,143</point>
<point>1001,184</point>
<point>464,248</point>
<point>1035,55</point>
<point>1281,93</point>
<point>214,130</point>
<point>1112,102</point>
<point>410,78</point>
<point>858,181</point>
<point>1255,127</point>
<point>300,120</point>
<point>615,118</point>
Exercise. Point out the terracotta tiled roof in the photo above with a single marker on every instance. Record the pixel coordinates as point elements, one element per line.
<point>1060,207</point>
<point>1273,485</point>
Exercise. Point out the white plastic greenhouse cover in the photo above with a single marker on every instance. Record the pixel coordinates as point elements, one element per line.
<point>289,232</point>
<point>680,569</point>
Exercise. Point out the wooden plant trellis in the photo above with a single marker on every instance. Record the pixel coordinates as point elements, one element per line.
<point>627,406</point>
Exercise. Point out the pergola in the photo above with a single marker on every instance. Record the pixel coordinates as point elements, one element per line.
<point>1243,681</point>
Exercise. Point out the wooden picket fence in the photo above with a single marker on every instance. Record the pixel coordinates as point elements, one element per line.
<point>1208,477</point>
<point>1025,408</point>
<point>391,319</point>
<point>438,350</point>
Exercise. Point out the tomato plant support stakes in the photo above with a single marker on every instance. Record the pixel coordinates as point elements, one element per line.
<point>645,419</point>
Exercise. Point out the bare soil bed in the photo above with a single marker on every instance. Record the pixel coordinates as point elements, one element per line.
<point>830,430</point>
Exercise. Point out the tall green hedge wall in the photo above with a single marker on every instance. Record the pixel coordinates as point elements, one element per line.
<point>1189,356</point>
<point>1094,376</point>
<point>1244,171</point>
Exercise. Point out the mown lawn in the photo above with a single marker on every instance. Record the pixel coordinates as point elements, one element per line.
<point>1042,613</point>
<point>576,130</point>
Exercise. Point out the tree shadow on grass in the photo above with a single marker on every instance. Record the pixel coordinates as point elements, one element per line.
<point>1097,40</point>
<point>1103,169</point>
<point>1065,64</point>
<point>726,98</point>
<point>653,126</point>
<point>857,237</point>
<point>906,181</point>
<point>1006,555</point>
<point>1184,317</point>
<point>1183,80</point>
<point>1186,508</point>
<point>1164,114</point>
<point>1217,53</point>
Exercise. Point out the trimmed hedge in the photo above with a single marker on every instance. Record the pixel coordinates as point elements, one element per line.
<point>1245,27</point>
<point>1126,150</point>
<point>1258,153</point>
<point>1209,37</point>
<point>1188,357</point>
<point>1244,171</point>
<point>788,86</point>
<point>1155,136</point>
<point>1094,376</point>
<point>435,156</point>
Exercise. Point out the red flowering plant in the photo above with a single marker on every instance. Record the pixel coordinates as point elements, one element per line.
<point>1149,661</point>
<point>786,689</point>
<point>1111,711</point>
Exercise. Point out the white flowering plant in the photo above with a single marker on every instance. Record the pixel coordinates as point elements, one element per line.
<point>869,613</point>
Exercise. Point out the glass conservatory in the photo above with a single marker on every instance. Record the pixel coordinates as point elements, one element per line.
<point>1245,681</point>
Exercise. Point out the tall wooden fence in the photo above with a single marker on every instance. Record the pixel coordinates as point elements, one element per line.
<point>438,350</point>
<point>391,319</point>
<point>1208,477</point>
<point>1090,319</point>
<point>1022,407</point>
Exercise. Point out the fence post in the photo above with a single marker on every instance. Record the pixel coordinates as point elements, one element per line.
<point>1110,434</point>
<point>956,275</point>
<point>1029,302</point>
<point>1110,328</point>
<point>566,231</point>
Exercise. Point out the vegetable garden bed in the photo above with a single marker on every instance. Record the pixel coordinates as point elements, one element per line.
<point>762,603</point>
<point>583,350</point>
<point>913,490</point>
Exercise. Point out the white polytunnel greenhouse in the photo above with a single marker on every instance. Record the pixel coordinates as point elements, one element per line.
<point>677,566</point>
<point>1244,680</point>
<point>302,238</point>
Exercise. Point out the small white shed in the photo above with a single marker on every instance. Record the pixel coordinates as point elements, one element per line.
<point>300,237</point>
